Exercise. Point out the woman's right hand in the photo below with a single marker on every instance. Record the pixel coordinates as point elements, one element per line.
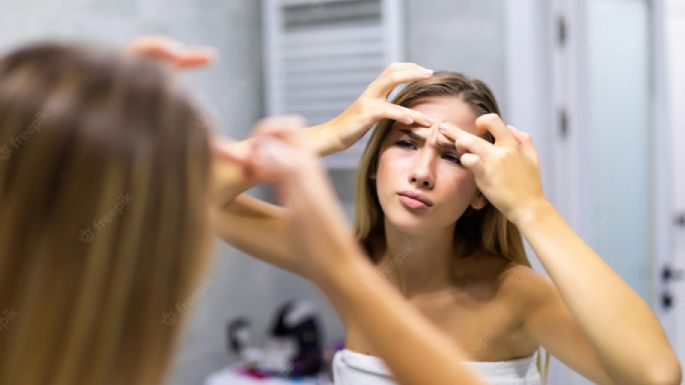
<point>372,106</point>
<point>279,156</point>
<point>330,256</point>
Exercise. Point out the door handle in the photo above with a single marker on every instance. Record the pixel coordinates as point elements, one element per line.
<point>670,274</point>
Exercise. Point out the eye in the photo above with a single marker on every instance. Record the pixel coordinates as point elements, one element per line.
<point>451,157</point>
<point>405,144</point>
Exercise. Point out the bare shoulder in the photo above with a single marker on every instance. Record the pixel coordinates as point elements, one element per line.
<point>524,286</point>
<point>516,284</point>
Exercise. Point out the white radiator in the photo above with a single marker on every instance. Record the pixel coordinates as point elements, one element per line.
<point>321,54</point>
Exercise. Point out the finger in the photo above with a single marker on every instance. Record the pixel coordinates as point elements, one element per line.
<point>385,83</point>
<point>472,162</point>
<point>171,52</point>
<point>390,81</point>
<point>279,126</point>
<point>525,141</point>
<point>464,140</point>
<point>154,46</point>
<point>401,66</point>
<point>275,152</point>
<point>255,164</point>
<point>274,159</point>
<point>404,115</point>
<point>515,133</point>
<point>231,166</point>
<point>195,57</point>
<point>228,150</point>
<point>142,43</point>
<point>494,124</point>
<point>162,53</point>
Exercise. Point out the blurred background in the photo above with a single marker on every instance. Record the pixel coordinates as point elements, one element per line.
<point>599,83</point>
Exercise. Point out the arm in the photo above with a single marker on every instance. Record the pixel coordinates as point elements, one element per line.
<point>242,221</point>
<point>230,181</point>
<point>259,229</point>
<point>414,349</point>
<point>548,321</point>
<point>625,335</point>
<point>246,221</point>
<point>341,132</point>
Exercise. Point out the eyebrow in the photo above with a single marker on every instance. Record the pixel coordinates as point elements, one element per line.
<point>442,145</point>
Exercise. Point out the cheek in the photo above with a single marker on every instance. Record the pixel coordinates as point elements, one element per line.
<point>390,177</point>
<point>391,166</point>
<point>464,183</point>
<point>457,187</point>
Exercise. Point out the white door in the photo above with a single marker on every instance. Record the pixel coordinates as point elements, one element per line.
<point>605,95</point>
<point>616,149</point>
<point>612,145</point>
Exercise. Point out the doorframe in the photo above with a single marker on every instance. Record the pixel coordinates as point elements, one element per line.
<point>662,205</point>
<point>673,252</point>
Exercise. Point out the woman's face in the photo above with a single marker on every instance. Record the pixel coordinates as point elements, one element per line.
<point>420,182</point>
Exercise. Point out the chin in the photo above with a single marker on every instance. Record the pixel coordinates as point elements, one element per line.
<point>408,222</point>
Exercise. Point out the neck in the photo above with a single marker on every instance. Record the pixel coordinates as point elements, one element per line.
<point>418,263</point>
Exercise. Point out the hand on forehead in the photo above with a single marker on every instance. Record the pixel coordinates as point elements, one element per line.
<point>448,109</point>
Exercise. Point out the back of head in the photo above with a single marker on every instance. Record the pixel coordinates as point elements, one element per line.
<point>104,179</point>
<point>485,229</point>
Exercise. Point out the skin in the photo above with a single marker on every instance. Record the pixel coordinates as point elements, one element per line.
<point>373,313</point>
<point>567,319</point>
<point>472,304</point>
<point>331,258</point>
<point>422,159</point>
<point>495,310</point>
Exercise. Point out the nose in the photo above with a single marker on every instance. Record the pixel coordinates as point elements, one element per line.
<point>422,175</point>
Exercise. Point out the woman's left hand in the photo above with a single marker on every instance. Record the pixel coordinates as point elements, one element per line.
<point>507,172</point>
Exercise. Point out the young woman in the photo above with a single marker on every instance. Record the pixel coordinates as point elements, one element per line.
<point>443,191</point>
<point>108,189</point>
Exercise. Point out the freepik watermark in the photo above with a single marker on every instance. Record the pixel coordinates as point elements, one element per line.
<point>88,234</point>
<point>6,318</point>
<point>397,259</point>
<point>26,134</point>
<point>394,261</point>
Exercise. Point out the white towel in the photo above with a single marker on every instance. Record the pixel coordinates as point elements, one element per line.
<point>352,368</point>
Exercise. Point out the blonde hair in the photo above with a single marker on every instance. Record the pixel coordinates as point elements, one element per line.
<point>104,220</point>
<point>486,228</point>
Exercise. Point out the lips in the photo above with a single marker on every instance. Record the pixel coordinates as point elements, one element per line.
<point>414,200</point>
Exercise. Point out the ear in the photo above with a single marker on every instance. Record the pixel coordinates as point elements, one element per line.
<point>479,201</point>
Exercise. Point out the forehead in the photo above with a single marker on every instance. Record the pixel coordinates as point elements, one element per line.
<point>449,109</point>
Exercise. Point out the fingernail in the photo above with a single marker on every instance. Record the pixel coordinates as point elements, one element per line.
<point>430,120</point>
<point>428,71</point>
<point>408,120</point>
<point>444,126</point>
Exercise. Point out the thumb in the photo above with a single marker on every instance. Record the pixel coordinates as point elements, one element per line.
<point>472,162</point>
<point>525,141</point>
